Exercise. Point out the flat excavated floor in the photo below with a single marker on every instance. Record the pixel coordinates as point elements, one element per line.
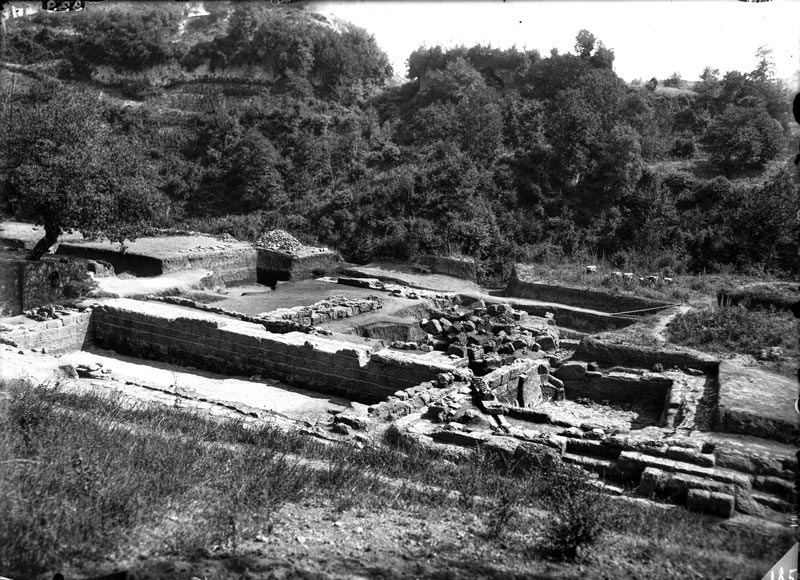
<point>152,380</point>
<point>257,299</point>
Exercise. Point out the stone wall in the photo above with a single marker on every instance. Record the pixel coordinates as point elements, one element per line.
<point>273,266</point>
<point>10,278</point>
<point>616,388</point>
<point>66,334</point>
<point>52,280</point>
<point>25,284</point>
<point>518,384</point>
<point>215,343</point>
<point>523,284</point>
<point>623,353</point>
<point>449,266</point>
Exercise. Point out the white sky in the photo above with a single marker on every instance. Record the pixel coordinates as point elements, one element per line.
<point>652,38</point>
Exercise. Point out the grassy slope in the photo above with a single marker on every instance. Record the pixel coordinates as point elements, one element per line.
<point>92,484</point>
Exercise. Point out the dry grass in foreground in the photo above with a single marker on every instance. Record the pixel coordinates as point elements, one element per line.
<point>90,484</point>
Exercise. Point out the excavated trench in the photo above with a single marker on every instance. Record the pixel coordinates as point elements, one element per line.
<point>628,424</point>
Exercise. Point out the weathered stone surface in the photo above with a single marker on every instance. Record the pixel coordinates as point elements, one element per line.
<point>571,371</point>
<point>710,502</point>
<point>756,402</point>
<point>536,455</point>
<point>546,342</point>
<point>677,486</point>
<point>652,482</point>
<point>432,327</point>
<point>502,450</point>
<point>573,432</point>
<point>690,456</point>
<point>459,437</point>
<point>586,447</point>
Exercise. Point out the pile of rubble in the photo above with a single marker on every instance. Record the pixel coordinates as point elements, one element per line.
<point>49,312</point>
<point>489,336</point>
<point>226,237</point>
<point>278,240</point>
<point>92,371</point>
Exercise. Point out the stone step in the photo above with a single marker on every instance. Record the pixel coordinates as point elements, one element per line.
<point>634,461</point>
<point>591,447</point>
<point>605,468</point>
<point>773,502</point>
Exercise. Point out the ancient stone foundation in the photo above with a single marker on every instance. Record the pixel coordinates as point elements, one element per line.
<point>59,335</point>
<point>219,344</point>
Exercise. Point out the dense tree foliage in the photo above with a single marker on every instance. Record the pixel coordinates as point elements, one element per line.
<point>497,154</point>
<point>67,169</point>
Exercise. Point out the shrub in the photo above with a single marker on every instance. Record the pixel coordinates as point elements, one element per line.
<point>735,329</point>
<point>684,148</point>
<point>578,513</point>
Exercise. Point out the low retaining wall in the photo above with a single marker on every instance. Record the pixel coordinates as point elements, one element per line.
<point>273,266</point>
<point>623,354</point>
<point>456,267</point>
<point>66,334</point>
<point>523,284</point>
<point>211,342</point>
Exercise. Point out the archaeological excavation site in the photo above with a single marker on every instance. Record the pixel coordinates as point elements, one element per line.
<point>415,355</point>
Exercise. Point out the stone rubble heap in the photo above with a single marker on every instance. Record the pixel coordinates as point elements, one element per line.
<point>278,240</point>
<point>489,336</point>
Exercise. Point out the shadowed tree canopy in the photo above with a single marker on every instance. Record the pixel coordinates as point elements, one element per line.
<point>67,169</point>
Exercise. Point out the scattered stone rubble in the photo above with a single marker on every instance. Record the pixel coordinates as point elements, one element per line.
<point>398,291</point>
<point>489,336</point>
<point>327,310</point>
<point>49,312</point>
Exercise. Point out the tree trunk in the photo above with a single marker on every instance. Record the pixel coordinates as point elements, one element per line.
<point>50,237</point>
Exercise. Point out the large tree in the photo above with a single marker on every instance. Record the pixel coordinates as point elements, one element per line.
<point>67,169</point>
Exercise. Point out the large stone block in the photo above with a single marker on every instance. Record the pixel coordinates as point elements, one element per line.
<point>710,502</point>
<point>571,371</point>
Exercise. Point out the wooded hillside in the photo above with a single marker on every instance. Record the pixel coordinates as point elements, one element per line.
<point>253,117</point>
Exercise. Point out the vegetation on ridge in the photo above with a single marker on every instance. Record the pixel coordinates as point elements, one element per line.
<point>502,155</point>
